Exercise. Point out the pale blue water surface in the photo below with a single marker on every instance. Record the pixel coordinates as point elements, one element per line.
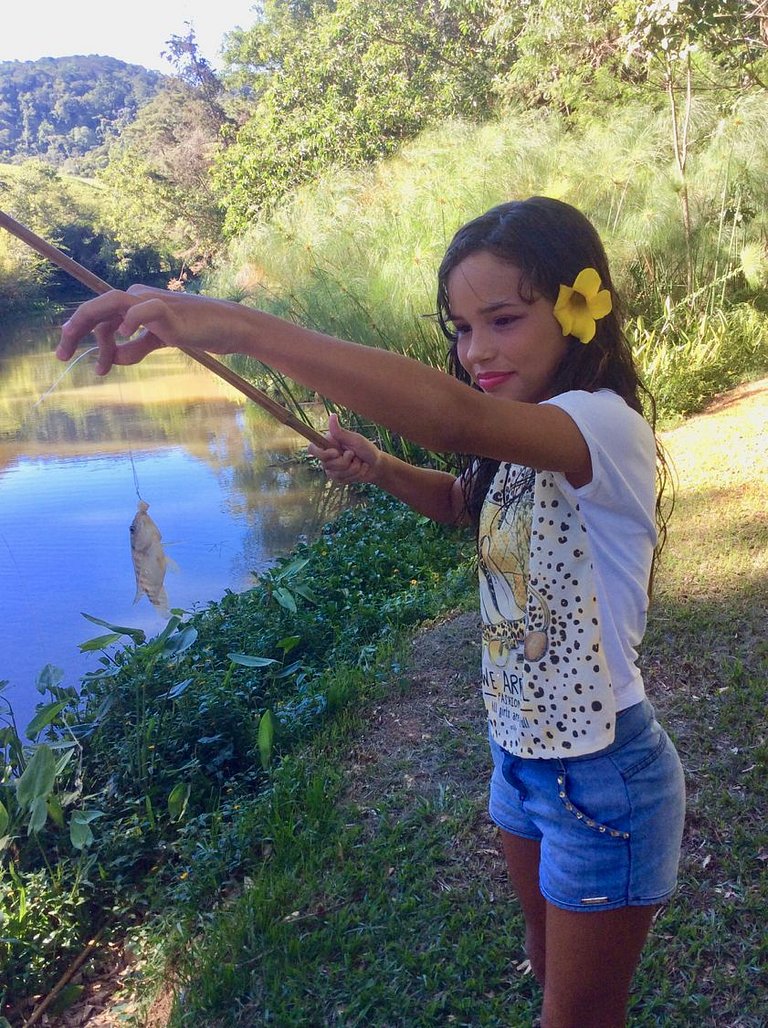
<point>216,472</point>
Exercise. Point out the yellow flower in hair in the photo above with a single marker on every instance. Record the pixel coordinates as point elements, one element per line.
<point>579,306</point>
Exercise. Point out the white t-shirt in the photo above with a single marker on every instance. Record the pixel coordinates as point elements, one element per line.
<point>563,586</point>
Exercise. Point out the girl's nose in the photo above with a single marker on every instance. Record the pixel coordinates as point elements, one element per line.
<point>479,346</point>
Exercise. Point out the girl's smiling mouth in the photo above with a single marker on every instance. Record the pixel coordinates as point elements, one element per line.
<point>490,380</point>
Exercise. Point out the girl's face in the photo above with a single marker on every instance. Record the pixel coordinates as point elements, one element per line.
<point>508,347</point>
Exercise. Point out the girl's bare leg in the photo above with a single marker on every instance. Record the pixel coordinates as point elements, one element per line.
<point>584,960</point>
<point>590,959</point>
<point>522,857</point>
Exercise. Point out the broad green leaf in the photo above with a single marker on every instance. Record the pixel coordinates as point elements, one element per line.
<point>180,689</point>
<point>173,624</point>
<point>291,569</point>
<point>68,752</point>
<point>150,811</point>
<point>5,819</point>
<point>181,642</point>
<point>7,736</point>
<point>99,642</point>
<point>44,716</point>
<point>246,661</point>
<point>289,643</point>
<point>285,599</point>
<point>266,738</point>
<point>38,778</point>
<point>306,592</point>
<point>289,670</point>
<point>38,814</point>
<point>178,799</point>
<point>80,833</point>
<point>49,677</point>
<point>137,634</point>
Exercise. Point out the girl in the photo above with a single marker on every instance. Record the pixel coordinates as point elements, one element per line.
<point>558,478</point>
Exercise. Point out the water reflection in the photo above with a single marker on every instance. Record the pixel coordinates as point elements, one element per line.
<point>216,472</point>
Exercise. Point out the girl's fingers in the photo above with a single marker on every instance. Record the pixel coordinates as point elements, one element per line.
<point>154,315</point>
<point>322,455</point>
<point>124,314</point>
<point>105,337</point>
<point>108,310</point>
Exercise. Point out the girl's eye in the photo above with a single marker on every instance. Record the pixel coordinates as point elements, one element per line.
<point>505,320</point>
<point>460,330</point>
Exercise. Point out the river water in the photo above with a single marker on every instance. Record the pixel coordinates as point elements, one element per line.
<point>215,469</point>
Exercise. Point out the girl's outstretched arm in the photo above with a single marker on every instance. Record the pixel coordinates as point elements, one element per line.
<point>351,458</point>
<point>426,406</point>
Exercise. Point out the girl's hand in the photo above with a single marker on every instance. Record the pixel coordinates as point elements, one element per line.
<point>147,318</point>
<point>350,457</point>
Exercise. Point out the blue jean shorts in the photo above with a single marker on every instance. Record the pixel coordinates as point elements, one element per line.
<point>610,823</point>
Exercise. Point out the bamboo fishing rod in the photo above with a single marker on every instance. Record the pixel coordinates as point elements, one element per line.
<point>98,285</point>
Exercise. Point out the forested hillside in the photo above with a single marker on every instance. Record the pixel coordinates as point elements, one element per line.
<point>62,108</point>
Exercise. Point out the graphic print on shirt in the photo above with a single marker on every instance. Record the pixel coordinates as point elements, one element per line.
<point>509,636</point>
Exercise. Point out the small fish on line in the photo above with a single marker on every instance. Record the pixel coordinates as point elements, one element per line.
<point>149,560</point>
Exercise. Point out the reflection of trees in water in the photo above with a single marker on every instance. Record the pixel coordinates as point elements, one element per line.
<point>274,527</point>
<point>192,423</point>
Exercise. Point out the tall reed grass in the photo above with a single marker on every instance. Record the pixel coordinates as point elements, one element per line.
<point>357,254</point>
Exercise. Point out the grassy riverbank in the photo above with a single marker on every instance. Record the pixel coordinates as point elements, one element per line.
<point>145,797</point>
<point>364,885</point>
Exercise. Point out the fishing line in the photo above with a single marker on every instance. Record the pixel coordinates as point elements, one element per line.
<point>10,553</point>
<point>66,371</point>
<point>130,450</point>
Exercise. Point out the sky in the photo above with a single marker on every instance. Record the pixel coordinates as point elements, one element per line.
<point>135,32</point>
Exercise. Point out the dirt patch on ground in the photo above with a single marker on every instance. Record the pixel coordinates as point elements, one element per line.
<point>439,693</point>
<point>428,738</point>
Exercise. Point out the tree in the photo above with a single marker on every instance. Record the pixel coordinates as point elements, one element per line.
<point>47,105</point>
<point>567,54</point>
<point>158,182</point>
<point>346,83</point>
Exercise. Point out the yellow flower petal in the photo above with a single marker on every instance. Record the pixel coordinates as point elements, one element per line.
<point>583,327</point>
<point>563,297</point>
<point>587,283</point>
<point>579,306</point>
<point>562,310</point>
<point>601,304</point>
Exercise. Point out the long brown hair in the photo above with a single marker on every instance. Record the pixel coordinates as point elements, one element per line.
<point>550,242</point>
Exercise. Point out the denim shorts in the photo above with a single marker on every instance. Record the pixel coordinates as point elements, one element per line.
<point>610,823</point>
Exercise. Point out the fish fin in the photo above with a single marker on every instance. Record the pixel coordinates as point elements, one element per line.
<point>171,564</point>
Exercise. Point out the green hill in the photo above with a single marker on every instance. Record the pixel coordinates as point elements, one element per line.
<point>64,108</point>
